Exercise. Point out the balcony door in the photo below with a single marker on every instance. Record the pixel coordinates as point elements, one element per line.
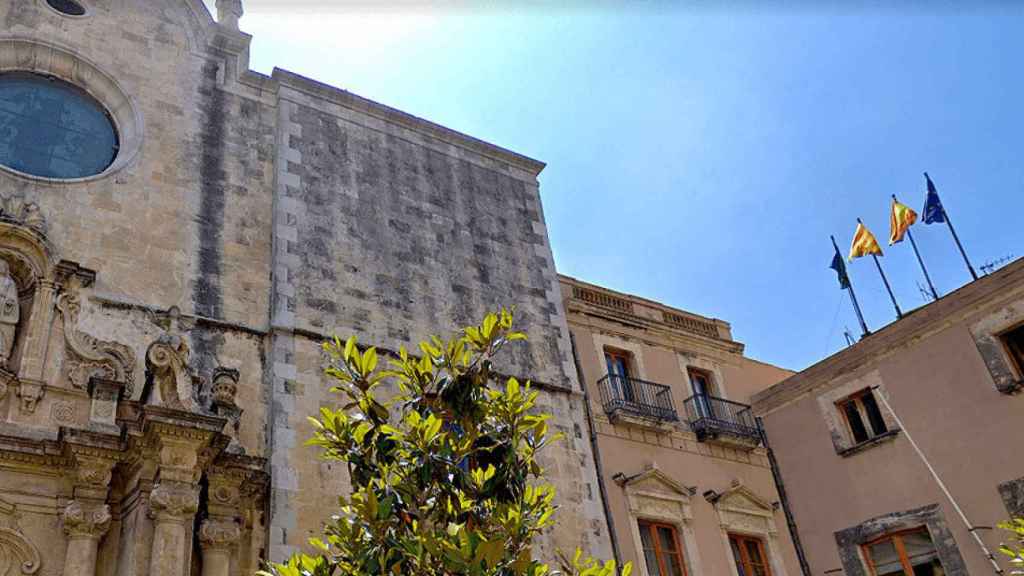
<point>619,374</point>
<point>703,390</point>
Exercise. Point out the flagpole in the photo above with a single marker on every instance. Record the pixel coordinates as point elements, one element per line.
<point>899,313</point>
<point>849,288</point>
<point>910,235</point>
<point>955,237</point>
<point>931,286</point>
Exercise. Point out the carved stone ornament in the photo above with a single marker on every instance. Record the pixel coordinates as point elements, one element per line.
<point>16,209</point>
<point>17,554</point>
<point>30,393</point>
<point>225,387</point>
<point>86,521</point>
<point>222,533</point>
<point>88,356</point>
<point>169,381</point>
<point>94,472</point>
<point>10,313</point>
<point>174,501</point>
<point>7,379</point>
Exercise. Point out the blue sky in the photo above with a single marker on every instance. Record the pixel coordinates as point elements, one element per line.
<point>702,155</point>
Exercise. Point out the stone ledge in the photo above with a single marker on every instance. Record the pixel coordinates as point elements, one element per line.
<point>868,444</point>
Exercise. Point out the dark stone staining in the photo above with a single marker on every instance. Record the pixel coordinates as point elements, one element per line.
<point>418,237</point>
<point>206,291</point>
<point>851,539</point>
<point>1012,493</point>
<point>205,346</point>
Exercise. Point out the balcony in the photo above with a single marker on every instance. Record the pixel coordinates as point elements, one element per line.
<point>723,422</point>
<point>632,399</point>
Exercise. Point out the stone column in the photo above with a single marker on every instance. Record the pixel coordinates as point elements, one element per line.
<point>87,518</point>
<point>85,525</point>
<point>173,506</point>
<point>218,537</point>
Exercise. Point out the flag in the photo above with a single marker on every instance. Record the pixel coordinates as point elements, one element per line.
<point>900,220</point>
<point>864,243</point>
<point>840,267</point>
<point>933,210</point>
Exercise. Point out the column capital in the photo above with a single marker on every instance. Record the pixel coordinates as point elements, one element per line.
<point>86,521</point>
<point>219,533</point>
<point>174,501</point>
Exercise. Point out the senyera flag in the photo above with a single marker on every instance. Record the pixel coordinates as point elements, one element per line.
<point>901,219</point>
<point>864,243</point>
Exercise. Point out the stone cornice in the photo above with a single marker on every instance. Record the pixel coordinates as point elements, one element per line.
<point>988,292</point>
<point>707,332</point>
<point>319,90</point>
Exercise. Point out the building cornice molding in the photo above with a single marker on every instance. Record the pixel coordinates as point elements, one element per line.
<point>321,91</point>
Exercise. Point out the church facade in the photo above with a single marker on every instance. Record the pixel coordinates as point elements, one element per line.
<point>178,235</point>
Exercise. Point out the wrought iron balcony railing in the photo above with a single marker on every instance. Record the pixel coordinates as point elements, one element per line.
<point>625,395</point>
<point>710,417</point>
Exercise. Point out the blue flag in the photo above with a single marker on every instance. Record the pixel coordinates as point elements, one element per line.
<point>840,267</point>
<point>933,210</point>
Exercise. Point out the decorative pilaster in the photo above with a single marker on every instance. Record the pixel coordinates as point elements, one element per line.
<point>87,518</point>
<point>173,506</point>
<point>85,525</point>
<point>217,538</point>
<point>37,331</point>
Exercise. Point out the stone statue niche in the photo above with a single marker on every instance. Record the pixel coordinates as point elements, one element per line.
<point>10,315</point>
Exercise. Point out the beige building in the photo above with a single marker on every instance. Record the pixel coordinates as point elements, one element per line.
<point>687,480</point>
<point>178,235</point>
<point>944,378</point>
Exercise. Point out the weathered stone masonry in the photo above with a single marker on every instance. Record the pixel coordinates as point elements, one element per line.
<point>153,413</point>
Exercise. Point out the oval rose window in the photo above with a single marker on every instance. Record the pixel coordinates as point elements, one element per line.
<point>53,129</point>
<point>69,7</point>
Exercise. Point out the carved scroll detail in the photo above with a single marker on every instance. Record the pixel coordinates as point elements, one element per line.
<point>17,554</point>
<point>89,356</point>
<point>167,373</point>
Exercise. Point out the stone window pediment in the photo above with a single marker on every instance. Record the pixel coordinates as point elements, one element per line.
<point>655,496</point>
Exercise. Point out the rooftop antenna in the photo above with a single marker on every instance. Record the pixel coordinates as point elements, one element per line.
<point>991,266</point>
<point>926,294</point>
<point>850,340</point>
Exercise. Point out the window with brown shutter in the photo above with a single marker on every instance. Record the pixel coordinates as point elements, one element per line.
<point>907,553</point>
<point>750,556</point>
<point>663,553</point>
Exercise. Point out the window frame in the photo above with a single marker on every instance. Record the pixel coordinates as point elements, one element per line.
<point>1014,350</point>
<point>711,387</point>
<point>856,399</point>
<point>619,354</point>
<point>897,542</point>
<point>744,555</point>
<point>661,556</point>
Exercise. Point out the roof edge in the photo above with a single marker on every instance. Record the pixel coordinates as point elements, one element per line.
<point>353,101</point>
<point>952,307</point>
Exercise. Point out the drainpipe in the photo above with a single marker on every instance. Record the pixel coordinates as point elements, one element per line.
<point>592,430</point>
<point>805,568</point>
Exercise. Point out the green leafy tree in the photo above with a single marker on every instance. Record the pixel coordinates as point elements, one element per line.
<point>1015,550</point>
<point>443,465</point>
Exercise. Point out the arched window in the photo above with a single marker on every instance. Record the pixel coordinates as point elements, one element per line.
<point>53,129</point>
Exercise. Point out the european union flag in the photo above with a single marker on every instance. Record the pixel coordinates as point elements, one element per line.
<point>933,210</point>
<point>840,267</point>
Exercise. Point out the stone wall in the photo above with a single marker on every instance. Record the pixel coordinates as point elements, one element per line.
<point>174,304</point>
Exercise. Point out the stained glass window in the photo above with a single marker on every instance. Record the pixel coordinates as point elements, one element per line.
<point>53,129</point>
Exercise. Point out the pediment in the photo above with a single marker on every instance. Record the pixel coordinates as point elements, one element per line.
<point>655,481</point>
<point>740,498</point>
